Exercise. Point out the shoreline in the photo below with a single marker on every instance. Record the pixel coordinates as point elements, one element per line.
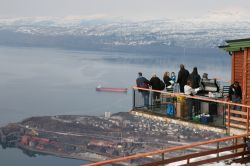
<point>84,156</point>
<point>57,154</point>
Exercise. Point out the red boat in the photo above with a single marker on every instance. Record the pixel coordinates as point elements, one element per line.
<point>105,89</point>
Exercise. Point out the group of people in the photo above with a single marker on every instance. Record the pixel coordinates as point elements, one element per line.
<point>188,83</point>
<point>168,81</point>
<point>155,83</point>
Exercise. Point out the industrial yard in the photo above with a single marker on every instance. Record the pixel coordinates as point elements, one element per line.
<point>97,138</point>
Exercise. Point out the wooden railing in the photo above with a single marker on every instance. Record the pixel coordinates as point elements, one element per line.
<point>239,120</point>
<point>237,149</point>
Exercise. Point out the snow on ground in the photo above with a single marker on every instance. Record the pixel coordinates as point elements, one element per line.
<point>211,164</point>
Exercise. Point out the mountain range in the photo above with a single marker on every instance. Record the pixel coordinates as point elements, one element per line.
<point>151,36</point>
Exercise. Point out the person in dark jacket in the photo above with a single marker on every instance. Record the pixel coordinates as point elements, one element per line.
<point>195,78</point>
<point>142,82</point>
<point>235,94</point>
<point>182,77</point>
<point>156,84</point>
<point>167,79</point>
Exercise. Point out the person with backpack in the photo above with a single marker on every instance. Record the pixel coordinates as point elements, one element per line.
<point>142,82</point>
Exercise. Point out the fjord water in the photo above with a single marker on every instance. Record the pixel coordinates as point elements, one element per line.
<point>42,81</point>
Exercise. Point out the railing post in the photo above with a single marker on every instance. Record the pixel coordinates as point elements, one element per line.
<point>218,147</point>
<point>247,120</point>
<point>151,99</point>
<point>224,113</point>
<point>244,149</point>
<point>162,157</point>
<point>133,98</point>
<point>236,142</point>
<point>229,117</point>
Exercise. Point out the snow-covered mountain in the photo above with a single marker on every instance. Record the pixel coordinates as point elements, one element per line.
<point>96,33</point>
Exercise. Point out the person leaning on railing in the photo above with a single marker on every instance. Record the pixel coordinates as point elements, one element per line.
<point>156,84</point>
<point>168,81</point>
<point>142,82</point>
<point>188,90</point>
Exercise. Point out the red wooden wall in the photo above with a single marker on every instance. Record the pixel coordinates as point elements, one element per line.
<point>241,72</point>
<point>237,66</point>
<point>247,76</point>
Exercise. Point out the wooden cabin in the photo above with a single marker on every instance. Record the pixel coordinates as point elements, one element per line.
<point>240,52</point>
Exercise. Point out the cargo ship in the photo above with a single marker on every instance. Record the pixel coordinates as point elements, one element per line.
<point>109,89</point>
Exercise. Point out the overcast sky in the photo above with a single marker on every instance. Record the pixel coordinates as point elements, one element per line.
<point>137,9</point>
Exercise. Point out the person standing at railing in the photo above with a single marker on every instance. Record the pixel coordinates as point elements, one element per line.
<point>167,80</point>
<point>188,90</point>
<point>182,77</point>
<point>195,79</point>
<point>142,82</point>
<point>156,84</point>
<point>235,94</point>
<point>173,77</point>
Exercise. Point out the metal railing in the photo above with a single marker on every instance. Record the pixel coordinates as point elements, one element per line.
<point>223,113</point>
<point>222,151</point>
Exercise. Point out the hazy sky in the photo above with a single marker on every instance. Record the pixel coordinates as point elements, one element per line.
<point>139,9</point>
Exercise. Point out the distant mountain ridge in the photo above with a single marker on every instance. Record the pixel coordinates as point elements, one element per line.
<point>154,36</point>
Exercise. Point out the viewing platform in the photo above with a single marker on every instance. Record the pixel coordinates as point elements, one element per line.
<point>214,114</point>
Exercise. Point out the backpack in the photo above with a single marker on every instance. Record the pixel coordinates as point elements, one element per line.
<point>144,85</point>
<point>170,110</point>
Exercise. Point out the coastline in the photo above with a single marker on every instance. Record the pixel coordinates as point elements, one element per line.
<point>82,156</point>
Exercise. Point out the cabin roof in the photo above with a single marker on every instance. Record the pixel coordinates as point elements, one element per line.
<point>236,45</point>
